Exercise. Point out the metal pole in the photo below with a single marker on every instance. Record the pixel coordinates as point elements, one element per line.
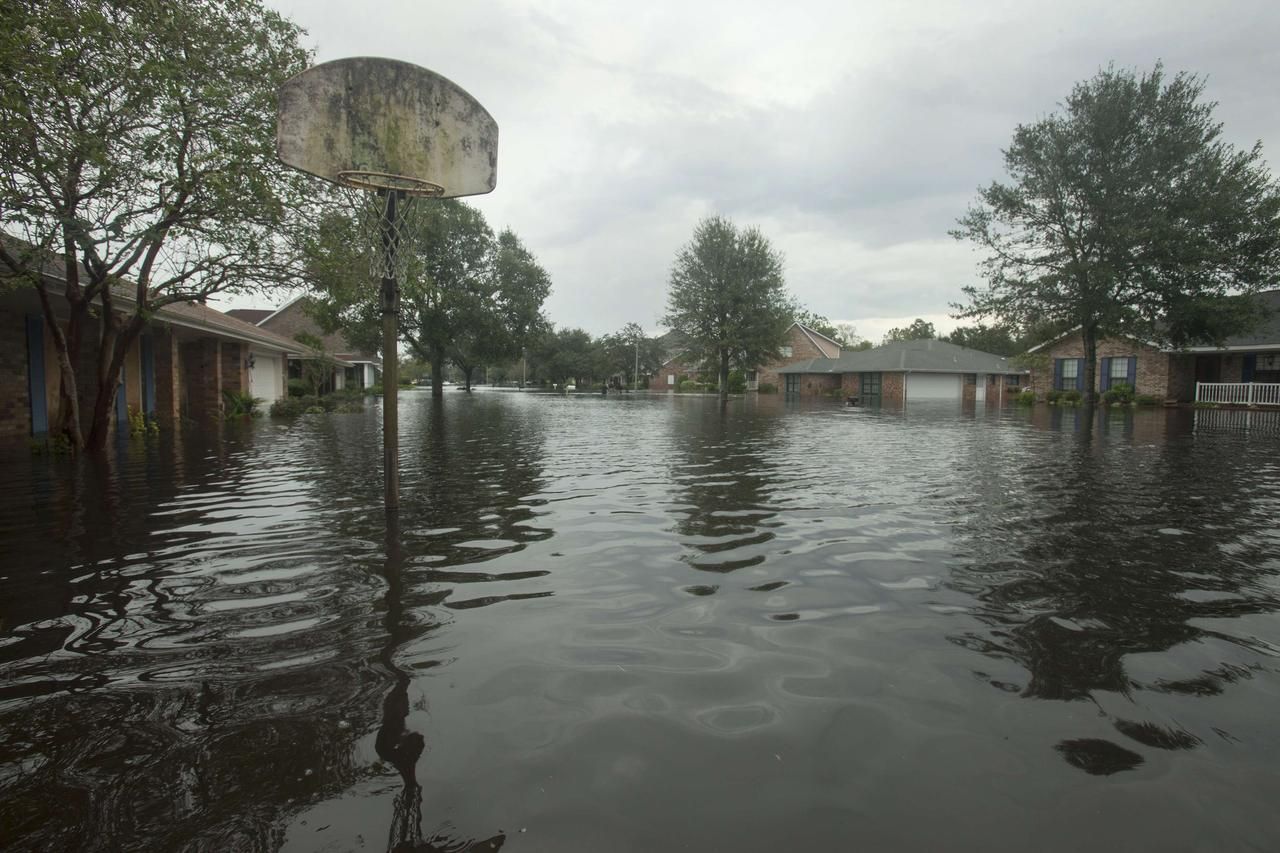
<point>524,367</point>
<point>390,358</point>
<point>635,372</point>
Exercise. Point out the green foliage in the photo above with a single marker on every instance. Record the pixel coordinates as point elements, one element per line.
<point>1203,404</point>
<point>143,134</point>
<point>1147,400</point>
<point>690,386</point>
<point>1053,396</point>
<point>859,346</point>
<point>727,298</point>
<point>1026,398</point>
<point>1071,397</point>
<point>918,330</point>
<point>53,445</point>
<point>239,404</point>
<point>1121,392</point>
<point>1126,213</point>
<point>767,388</point>
<point>737,382</point>
<point>140,425</point>
<point>999,339</point>
<point>299,387</point>
<point>349,408</point>
<point>341,402</point>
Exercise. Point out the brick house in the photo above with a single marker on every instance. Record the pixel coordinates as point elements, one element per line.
<point>1166,373</point>
<point>357,369</point>
<point>801,344</point>
<point>904,372</point>
<point>177,370</point>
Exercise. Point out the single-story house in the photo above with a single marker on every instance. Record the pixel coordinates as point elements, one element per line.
<point>356,369</point>
<point>178,368</point>
<point>1244,367</point>
<point>908,372</point>
<point>802,344</point>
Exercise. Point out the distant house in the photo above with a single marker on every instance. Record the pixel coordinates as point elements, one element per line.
<point>1218,372</point>
<point>355,369</point>
<point>802,344</point>
<point>907,372</point>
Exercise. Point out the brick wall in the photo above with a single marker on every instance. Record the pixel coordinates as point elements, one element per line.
<point>1153,368</point>
<point>15,403</point>
<point>802,349</point>
<point>892,387</point>
<point>235,372</point>
<point>202,378</point>
<point>168,370</point>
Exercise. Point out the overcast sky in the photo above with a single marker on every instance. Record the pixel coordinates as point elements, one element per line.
<point>853,134</point>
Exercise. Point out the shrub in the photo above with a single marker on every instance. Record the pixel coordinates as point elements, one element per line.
<point>1026,398</point>
<point>349,408</point>
<point>1201,404</point>
<point>240,404</point>
<point>288,407</point>
<point>141,425</point>
<point>737,382</point>
<point>1121,392</point>
<point>1073,397</point>
<point>688,385</point>
<point>1147,400</point>
<point>298,388</point>
<point>1053,396</point>
<point>768,388</point>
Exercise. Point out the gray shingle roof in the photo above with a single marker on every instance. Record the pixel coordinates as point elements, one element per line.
<point>1268,331</point>
<point>923,356</point>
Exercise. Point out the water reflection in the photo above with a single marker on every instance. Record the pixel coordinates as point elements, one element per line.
<point>1140,555</point>
<point>632,623</point>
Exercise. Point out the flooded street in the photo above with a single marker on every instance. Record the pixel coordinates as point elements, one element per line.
<point>642,623</point>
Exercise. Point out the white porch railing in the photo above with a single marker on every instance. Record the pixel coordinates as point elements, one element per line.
<point>1239,393</point>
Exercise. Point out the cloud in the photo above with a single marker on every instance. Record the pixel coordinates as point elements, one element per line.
<point>852,133</point>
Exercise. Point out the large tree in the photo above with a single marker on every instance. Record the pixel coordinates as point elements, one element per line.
<point>466,296</point>
<point>1126,213</point>
<point>137,164</point>
<point>727,298</point>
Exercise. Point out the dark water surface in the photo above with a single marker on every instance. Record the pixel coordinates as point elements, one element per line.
<point>644,624</point>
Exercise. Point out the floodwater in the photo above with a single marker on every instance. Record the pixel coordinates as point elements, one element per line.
<point>644,623</point>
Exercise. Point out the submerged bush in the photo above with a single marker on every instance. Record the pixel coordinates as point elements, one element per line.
<point>1121,392</point>
<point>1026,398</point>
<point>768,388</point>
<point>240,404</point>
<point>1053,396</point>
<point>1147,400</point>
<point>1072,397</point>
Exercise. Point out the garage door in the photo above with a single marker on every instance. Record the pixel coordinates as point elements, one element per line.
<point>264,377</point>
<point>933,386</point>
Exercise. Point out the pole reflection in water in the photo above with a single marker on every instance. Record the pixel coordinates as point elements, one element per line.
<point>396,744</point>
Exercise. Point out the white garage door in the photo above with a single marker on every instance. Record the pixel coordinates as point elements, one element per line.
<point>933,386</point>
<point>264,377</point>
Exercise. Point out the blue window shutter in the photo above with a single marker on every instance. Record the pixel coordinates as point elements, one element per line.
<point>122,405</point>
<point>1057,374</point>
<point>1133,373</point>
<point>1250,365</point>
<point>148,377</point>
<point>1080,375</point>
<point>1106,374</point>
<point>35,375</point>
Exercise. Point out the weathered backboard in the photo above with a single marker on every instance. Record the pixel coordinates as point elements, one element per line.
<point>351,121</point>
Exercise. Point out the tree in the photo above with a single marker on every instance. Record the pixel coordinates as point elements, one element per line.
<point>727,298</point>
<point>1126,214</point>
<point>999,338</point>
<point>848,337</point>
<point>630,353</point>
<point>466,296</point>
<point>139,143</point>
<point>815,321</point>
<point>918,330</point>
<point>564,356</point>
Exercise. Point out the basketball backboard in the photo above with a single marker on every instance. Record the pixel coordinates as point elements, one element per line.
<point>377,123</point>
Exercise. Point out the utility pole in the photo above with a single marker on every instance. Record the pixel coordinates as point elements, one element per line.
<point>524,367</point>
<point>635,373</point>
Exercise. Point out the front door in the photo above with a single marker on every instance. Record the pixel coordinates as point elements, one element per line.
<point>980,390</point>
<point>793,383</point>
<point>1208,368</point>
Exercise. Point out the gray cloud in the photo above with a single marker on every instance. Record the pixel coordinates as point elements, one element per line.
<point>853,135</point>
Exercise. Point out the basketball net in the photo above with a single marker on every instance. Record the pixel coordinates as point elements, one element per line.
<point>389,232</point>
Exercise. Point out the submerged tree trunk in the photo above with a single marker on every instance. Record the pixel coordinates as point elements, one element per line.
<point>1089,334</point>
<point>437,371</point>
<point>724,374</point>
<point>466,374</point>
<point>66,344</point>
<point>115,346</point>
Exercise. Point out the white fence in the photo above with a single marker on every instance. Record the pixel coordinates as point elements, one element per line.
<point>1239,393</point>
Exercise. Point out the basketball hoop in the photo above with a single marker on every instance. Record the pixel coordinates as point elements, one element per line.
<point>388,134</point>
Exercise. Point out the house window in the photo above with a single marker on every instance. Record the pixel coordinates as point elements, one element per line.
<point>871,387</point>
<point>785,352</point>
<point>792,383</point>
<point>1117,370</point>
<point>1068,374</point>
<point>971,379</point>
<point>671,379</point>
<point>1012,380</point>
